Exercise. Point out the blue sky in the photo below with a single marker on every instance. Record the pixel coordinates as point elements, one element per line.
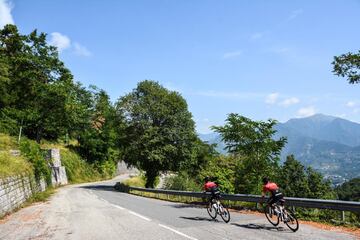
<point>262,59</point>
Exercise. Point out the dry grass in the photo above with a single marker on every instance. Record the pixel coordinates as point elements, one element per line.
<point>11,165</point>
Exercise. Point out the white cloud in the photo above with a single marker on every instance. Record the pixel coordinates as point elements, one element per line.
<point>272,98</point>
<point>289,101</point>
<point>232,54</point>
<point>294,14</point>
<point>5,13</point>
<point>306,111</point>
<point>81,50</point>
<point>60,41</point>
<point>63,42</point>
<point>350,104</point>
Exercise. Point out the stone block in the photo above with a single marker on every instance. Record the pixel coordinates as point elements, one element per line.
<point>15,153</point>
<point>53,157</point>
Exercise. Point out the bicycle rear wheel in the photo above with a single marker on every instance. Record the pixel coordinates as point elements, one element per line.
<point>224,213</point>
<point>290,220</point>
<point>211,210</point>
<point>271,216</point>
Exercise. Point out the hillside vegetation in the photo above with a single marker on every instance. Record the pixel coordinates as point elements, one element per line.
<point>32,161</point>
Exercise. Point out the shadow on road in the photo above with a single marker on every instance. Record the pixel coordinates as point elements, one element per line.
<point>189,205</point>
<point>100,187</point>
<point>260,226</point>
<point>200,219</point>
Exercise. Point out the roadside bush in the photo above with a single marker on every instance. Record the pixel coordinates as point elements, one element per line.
<point>138,181</point>
<point>107,168</point>
<point>182,182</point>
<point>31,150</point>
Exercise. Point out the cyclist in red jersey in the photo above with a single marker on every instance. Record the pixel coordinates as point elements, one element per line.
<point>211,187</point>
<point>276,195</point>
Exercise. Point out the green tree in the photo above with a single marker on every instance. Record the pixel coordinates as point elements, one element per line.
<point>319,188</point>
<point>222,170</point>
<point>98,139</point>
<point>349,191</point>
<point>293,179</point>
<point>159,130</point>
<point>202,153</point>
<point>36,81</point>
<point>348,65</point>
<point>253,142</point>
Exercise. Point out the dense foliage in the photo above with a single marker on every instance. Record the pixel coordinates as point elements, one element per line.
<point>39,99</point>
<point>253,142</point>
<point>159,130</point>
<point>295,180</point>
<point>349,191</point>
<point>348,65</point>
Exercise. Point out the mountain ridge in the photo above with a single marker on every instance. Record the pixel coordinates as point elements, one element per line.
<point>326,143</point>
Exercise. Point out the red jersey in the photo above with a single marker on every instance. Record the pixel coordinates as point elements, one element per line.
<point>270,187</point>
<point>209,185</point>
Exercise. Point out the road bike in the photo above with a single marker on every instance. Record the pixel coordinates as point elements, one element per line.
<point>278,212</point>
<point>215,208</point>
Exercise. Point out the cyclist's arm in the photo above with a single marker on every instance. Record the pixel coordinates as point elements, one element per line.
<point>263,194</point>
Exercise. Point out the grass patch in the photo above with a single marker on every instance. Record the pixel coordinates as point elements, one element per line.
<point>77,170</point>
<point>7,143</point>
<point>11,165</point>
<point>41,196</point>
<point>137,181</point>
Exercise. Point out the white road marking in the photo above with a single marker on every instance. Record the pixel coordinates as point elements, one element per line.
<point>121,208</point>
<point>140,216</point>
<point>176,231</point>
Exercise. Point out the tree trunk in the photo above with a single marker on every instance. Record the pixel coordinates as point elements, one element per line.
<point>150,178</point>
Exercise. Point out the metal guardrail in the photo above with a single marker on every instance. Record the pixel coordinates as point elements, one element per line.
<point>296,202</point>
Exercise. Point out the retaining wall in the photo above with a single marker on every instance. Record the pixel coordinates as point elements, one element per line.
<point>15,190</point>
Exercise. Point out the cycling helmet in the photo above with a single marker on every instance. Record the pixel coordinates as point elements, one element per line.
<point>265,180</point>
<point>206,179</point>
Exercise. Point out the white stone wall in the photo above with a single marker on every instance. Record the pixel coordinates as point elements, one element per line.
<point>14,191</point>
<point>58,173</point>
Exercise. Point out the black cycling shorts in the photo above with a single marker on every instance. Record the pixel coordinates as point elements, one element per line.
<point>276,196</point>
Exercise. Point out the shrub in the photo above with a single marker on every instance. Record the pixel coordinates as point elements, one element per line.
<point>182,182</point>
<point>31,150</point>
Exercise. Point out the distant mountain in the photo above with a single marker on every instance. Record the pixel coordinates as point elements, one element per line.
<point>326,128</point>
<point>328,144</point>
<point>214,138</point>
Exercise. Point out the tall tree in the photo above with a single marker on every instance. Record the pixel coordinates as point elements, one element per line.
<point>293,179</point>
<point>318,186</point>
<point>159,132</point>
<point>38,83</point>
<point>98,140</point>
<point>348,65</point>
<point>253,142</point>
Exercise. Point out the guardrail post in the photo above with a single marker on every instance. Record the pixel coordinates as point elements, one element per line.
<point>343,216</point>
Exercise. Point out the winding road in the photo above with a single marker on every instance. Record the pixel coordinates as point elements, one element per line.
<point>96,211</point>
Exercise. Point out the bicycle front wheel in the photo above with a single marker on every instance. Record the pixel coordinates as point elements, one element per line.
<point>290,220</point>
<point>224,213</point>
<point>271,216</point>
<point>211,210</point>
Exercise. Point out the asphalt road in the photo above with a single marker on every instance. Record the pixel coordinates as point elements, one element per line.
<point>96,211</point>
